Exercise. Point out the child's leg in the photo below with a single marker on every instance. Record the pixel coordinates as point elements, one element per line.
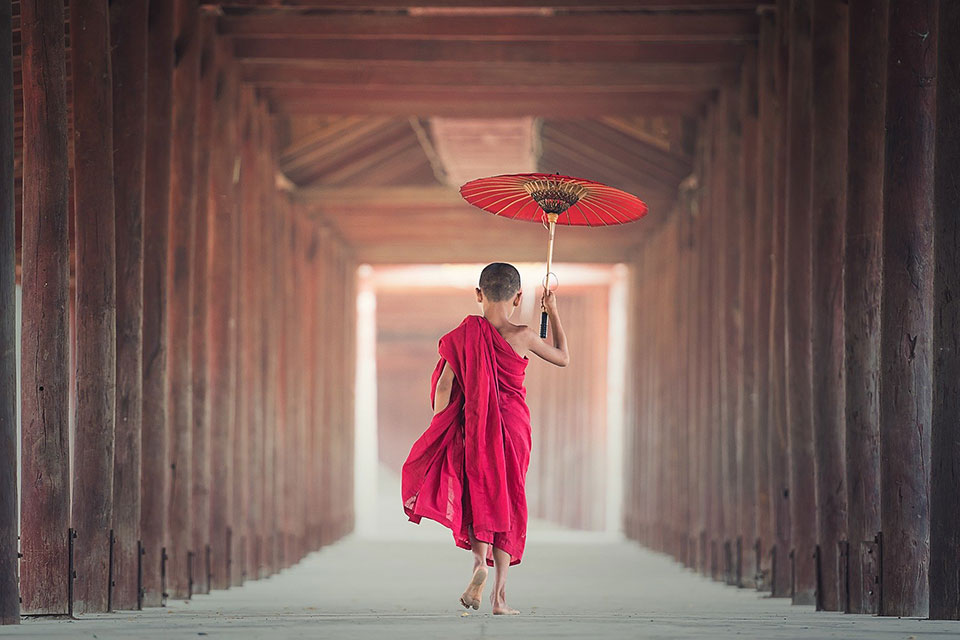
<point>501,560</point>
<point>471,596</point>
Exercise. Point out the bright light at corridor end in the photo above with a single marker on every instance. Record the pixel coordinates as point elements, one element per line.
<point>377,513</point>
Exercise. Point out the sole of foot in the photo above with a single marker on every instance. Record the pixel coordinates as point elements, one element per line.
<point>471,597</point>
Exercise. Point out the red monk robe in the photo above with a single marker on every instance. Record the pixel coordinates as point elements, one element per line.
<point>470,465</point>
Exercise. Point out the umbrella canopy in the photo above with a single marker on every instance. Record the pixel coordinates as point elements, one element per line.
<point>545,197</point>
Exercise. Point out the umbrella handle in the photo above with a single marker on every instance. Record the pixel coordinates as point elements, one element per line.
<point>552,218</point>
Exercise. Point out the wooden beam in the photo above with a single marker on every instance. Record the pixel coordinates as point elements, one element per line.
<point>829,133</point>
<point>637,76</point>
<point>183,198</point>
<point>155,478</point>
<point>200,336</point>
<point>460,51</point>
<point>9,546</point>
<point>945,446</point>
<point>44,514</point>
<point>533,5</point>
<point>502,103</point>
<point>567,28</point>
<point>907,313</point>
<point>128,35</point>
<point>96,346</point>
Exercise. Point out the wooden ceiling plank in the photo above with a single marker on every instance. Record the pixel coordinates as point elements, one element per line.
<point>664,27</point>
<point>382,155</point>
<point>329,145</point>
<point>537,5</point>
<point>488,52</point>
<point>638,76</point>
<point>352,152</point>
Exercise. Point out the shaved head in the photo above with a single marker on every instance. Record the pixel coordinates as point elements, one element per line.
<point>499,281</point>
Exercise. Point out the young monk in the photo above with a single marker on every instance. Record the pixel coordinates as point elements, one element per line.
<point>467,470</point>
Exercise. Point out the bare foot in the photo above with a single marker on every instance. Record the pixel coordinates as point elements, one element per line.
<point>500,606</point>
<point>471,597</point>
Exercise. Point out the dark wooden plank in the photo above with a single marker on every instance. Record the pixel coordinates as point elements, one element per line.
<point>691,27</point>
<point>222,313</point>
<point>830,39</point>
<point>200,335</point>
<point>906,322</point>
<point>764,268</point>
<point>573,5</point>
<point>155,478</point>
<point>9,546</point>
<point>862,286</point>
<point>945,445</point>
<point>779,459</point>
<point>44,515</point>
<point>749,276</point>
<point>640,75</point>
<point>499,103</point>
<point>305,49</point>
<point>798,310</point>
<point>128,34</point>
<point>96,346</point>
<point>183,197</point>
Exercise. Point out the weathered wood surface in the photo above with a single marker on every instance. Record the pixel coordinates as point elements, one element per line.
<point>200,336</point>
<point>183,198</point>
<point>829,133</point>
<point>44,517</point>
<point>907,316</point>
<point>96,346</point>
<point>779,441</point>
<point>222,298</point>
<point>763,268</point>
<point>945,444</point>
<point>9,546</point>
<point>155,471</point>
<point>863,274</point>
<point>798,310</point>
<point>128,41</point>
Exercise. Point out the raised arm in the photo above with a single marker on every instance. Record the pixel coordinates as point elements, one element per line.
<point>557,352</point>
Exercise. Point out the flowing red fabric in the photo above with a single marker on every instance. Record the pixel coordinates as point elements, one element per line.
<point>469,466</point>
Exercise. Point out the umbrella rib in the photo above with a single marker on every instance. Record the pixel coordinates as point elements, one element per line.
<point>514,216</point>
<point>510,204</point>
<point>610,212</point>
<point>599,217</point>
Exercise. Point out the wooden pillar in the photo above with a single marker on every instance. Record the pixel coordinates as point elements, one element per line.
<point>749,275</point>
<point>45,482</point>
<point>272,276</point>
<point>862,286</point>
<point>128,41</point>
<point>906,324</point>
<point>779,458</point>
<point>830,37</point>
<point>183,199</point>
<point>9,547</point>
<point>155,471</point>
<point>803,504</point>
<point>945,461</point>
<point>221,300</point>
<point>200,335</point>
<point>764,268</point>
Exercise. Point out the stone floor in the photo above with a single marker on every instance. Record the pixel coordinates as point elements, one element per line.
<point>566,587</point>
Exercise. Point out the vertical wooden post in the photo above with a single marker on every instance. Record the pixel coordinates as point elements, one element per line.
<point>221,351</point>
<point>44,516</point>
<point>779,458</point>
<point>128,39</point>
<point>945,461</point>
<point>749,275</point>
<point>764,269</point>
<point>830,37</point>
<point>862,286</point>
<point>803,503</point>
<point>199,330</point>
<point>92,509</point>
<point>183,198</point>
<point>155,476</point>
<point>9,547</point>
<point>906,324</point>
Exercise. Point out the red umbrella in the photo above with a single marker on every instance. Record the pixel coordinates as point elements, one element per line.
<point>553,199</point>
